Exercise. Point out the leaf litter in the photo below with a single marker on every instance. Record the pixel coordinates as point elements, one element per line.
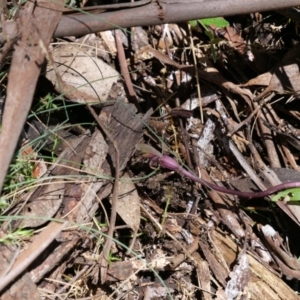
<point>173,238</point>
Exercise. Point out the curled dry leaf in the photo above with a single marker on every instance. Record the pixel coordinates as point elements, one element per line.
<point>262,80</point>
<point>231,35</point>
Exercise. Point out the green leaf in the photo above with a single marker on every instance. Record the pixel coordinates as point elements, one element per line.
<point>193,23</point>
<point>289,195</point>
<point>218,22</point>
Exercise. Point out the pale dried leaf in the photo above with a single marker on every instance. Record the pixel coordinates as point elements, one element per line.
<point>240,277</point>
<point>128,205</point>
<point>204,277</point>
<point>109,41</point>
<point>263,80</point>
<point>275,242</point>
<point>159,260</point>
<point>77,70</point>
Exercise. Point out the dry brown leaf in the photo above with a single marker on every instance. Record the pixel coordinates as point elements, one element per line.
<point>119,271</point>
<point>128,206</point>
<point>109,41</point>
<point>236,39</point>
<point>40,168</point>
<point>43,204</point>
<point>231,35</point>
<point>263,80</point>
<point>79,75</point>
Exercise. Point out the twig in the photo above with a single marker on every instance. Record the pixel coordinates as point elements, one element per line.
<point>124,69</point>
<point>184,137</point>
<point>114,199</point>
<point>254,112</point>
<point>266,135</point>
<point>196,74</point>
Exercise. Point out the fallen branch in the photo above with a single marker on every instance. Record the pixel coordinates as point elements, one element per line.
<point>161,12</point>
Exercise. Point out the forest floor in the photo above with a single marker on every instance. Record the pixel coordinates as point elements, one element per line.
<point>86,215</point>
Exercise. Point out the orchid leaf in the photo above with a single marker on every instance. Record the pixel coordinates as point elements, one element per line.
<point>288,195</point>
<point>218,22</point>
<point>193,23</point>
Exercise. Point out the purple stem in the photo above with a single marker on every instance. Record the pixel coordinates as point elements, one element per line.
<point>171,164</point>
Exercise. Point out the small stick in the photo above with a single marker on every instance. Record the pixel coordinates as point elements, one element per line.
<point>124,69</point>
<point>114,199</point>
